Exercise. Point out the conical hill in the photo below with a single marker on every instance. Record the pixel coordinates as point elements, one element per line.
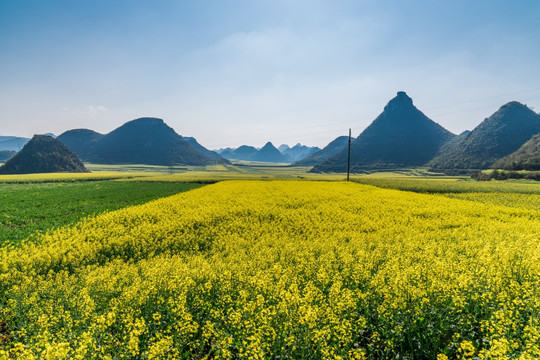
<point>43,154</point>
<point>497,136</point>
<point>401,136</point>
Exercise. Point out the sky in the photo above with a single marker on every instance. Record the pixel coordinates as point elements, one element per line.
<point>233,72</point>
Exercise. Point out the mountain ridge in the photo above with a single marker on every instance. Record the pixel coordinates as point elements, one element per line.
<point>140,141</point>
<point>12,143</point>
<point>298,152</point>
<point>269,153</point>
<point>401,136</point>
<point>334,147</point>
<point>499,135</point>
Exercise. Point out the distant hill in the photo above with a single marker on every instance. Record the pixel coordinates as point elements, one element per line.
<point>12,143</point>
<point>527,157</point>
<point>269,153</point>
<point>334,147</point>
<point>43,154</point>
<point>283,147</point>
<point>497,136</point>
<point>6,154</point>
<point>298,152</point>
<point>81,141</point>
<point>209,153</point>
<point>225,152</point>
<point>243,152</point>
<point>401,136</point>
<point>140,141</point>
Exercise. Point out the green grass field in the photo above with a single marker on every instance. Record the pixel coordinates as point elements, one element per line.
<point>37,207</point>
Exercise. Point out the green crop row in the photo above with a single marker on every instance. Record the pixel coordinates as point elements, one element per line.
<point>29,208</point>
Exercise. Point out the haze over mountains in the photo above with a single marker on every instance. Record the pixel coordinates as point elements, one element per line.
<point>12,143</point>
<point>400,137</point>
<point>299,152</point>
<point>269,153</point>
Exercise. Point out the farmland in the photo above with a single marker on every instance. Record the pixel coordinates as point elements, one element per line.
<point>30,208</point>
<point>284,269</point>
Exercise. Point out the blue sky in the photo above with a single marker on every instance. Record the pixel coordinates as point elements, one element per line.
<point>235,72</point>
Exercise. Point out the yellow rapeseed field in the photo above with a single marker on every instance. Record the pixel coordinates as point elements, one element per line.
<point>66,177</point>
<point>282,270</point>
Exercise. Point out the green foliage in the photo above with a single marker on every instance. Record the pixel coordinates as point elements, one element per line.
<point>68,177</point>
<point>488,175</point>
<point>448,185</point>
<point>29,208</point>
<point>497,136</point>
<point>527,157</point>
<point>513,200</point>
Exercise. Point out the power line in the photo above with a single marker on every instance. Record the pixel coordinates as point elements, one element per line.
<point>483,99</point>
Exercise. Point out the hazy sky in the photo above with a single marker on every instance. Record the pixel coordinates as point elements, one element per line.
<point>235,72</point>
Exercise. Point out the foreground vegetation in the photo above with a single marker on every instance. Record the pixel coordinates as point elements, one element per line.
<point>29,209</point>
<point>447,185</point>
<point>488,175</point>
<point>280,269</point>
<point>66,177</point>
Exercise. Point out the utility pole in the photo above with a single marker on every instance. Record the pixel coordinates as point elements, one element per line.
<point>349,157</point>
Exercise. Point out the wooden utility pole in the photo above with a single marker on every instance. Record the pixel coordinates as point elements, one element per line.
<point>349,157</point>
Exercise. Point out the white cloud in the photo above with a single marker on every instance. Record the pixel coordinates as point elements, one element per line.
<point>89,110</point>
<point>94,109</point>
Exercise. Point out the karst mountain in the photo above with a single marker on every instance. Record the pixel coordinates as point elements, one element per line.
<point>140,141</point>
<point>401,136</point>
<point>43,154</point>
<point>497,136</point>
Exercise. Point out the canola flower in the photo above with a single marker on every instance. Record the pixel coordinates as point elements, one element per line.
<point>279,269</point>
<point>213,175</point>
<point>517,200</point>
<point>66,177</point>
<point>448,185</point>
